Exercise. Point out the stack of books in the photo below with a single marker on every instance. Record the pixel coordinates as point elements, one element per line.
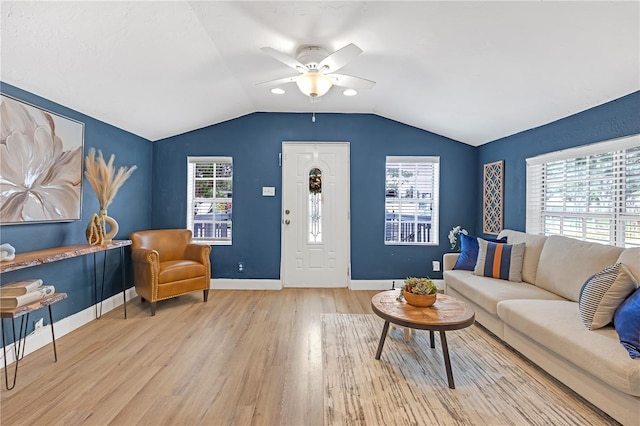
<point>20,293</point>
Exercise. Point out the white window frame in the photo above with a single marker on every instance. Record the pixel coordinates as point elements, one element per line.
<point>619,216</point>
<point>434,200</point>
<point>191,200</point>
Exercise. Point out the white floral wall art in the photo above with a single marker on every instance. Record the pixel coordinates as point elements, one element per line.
<point>40,164</point>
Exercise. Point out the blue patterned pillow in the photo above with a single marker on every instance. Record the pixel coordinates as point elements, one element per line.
<point>469,251</point>
<point>503,261</point>
<point>627,323</point>
<point>603,293</point>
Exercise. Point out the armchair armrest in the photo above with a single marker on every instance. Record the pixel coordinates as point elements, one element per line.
<point>143,255</point>
<point>198,253</point>
<point>449,261</point>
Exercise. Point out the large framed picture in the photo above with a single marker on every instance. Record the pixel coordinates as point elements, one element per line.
<point>41,156</point>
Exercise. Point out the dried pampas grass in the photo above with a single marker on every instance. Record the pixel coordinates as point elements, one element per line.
<point>103,177</point>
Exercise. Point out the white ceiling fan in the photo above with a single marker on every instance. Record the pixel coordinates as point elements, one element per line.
<point>317,69</point>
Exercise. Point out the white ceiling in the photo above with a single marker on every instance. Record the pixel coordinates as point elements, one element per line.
<point>472,71</point>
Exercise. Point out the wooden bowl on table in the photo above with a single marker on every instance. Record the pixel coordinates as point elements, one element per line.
<point>419,300</point>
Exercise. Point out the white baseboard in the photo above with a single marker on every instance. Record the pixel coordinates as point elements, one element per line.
<point>42,336</point>
<point>240,284</point>
<point>384,284</point>
<point>374,284</point>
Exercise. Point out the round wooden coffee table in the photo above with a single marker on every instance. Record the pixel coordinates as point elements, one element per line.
<point>448,313</point>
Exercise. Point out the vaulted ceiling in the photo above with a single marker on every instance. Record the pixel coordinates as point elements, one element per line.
<point>472,71</point>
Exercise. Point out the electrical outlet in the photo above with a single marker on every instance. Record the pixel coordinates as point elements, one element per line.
<point>38,324</point>
<point>436,265</point>
<point>240,267</point>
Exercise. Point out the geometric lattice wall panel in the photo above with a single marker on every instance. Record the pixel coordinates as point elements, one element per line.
<point>493,210</point>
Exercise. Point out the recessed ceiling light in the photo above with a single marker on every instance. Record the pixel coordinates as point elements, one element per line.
<point>350,92</point>
<point>277,91</point>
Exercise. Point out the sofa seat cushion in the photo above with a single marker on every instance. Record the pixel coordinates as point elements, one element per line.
<point>487,292</point>
<point>177,270</point>
<point>556,325</point>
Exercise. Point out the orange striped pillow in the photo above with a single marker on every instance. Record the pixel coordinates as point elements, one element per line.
<point>503,261</point>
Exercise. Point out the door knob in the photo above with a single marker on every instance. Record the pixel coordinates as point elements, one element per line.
<point>286,222</point>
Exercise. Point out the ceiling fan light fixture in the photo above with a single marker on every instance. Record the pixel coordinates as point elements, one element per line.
<point>314,84</point>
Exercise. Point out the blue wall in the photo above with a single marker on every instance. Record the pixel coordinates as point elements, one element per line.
<point>618,118</point>
<point>131,208</point>
<point>254,141</point>
<point>154,197</point>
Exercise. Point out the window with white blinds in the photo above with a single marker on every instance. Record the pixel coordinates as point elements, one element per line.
<point>591,193</point>
<point>210,199</point>
<point>411,200</point>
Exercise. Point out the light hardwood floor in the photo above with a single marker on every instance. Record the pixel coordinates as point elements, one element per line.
<point>242,358</point>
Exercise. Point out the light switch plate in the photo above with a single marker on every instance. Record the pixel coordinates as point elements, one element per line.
<point>268,191</point>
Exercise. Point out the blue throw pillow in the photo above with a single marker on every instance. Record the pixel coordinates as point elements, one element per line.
<point>469,251</point>
<point>626,320</point>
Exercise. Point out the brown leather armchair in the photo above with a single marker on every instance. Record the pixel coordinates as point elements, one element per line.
<point>166,264</point>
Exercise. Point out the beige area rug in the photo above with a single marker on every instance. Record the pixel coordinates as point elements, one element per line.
<point>408,385</point>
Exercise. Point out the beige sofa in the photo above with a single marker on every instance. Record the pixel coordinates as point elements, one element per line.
<point>540,318</point>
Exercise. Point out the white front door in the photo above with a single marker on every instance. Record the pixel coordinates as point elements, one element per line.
<point>315,214</point>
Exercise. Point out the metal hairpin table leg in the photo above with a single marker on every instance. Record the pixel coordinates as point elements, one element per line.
<point>53,335</point>
<point>18,348</point>
<point>95,285</point>
<point>124,284</point>
<point>104,267</point>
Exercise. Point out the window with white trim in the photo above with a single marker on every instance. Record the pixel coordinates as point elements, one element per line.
<point>590,192</point>
<point>210,199</point>
<point>411,200</point>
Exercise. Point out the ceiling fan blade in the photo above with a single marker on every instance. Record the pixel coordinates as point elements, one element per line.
<point>351,82</point>
<point>285,80</point>
<point>339,58</point>
<point>285,59</point>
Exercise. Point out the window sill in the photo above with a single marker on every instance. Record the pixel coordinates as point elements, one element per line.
<point>212,242</point>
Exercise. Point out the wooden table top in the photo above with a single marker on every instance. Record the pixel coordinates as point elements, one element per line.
<point>25,309</point>
<point>39,257</point>
<point>447,313</point>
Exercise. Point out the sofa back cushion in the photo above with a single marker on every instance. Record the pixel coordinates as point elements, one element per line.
<point>631,259</point>
<point>566,263</point>
<point>533,248</point>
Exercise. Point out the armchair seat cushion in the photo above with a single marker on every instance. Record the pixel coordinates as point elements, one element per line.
<point>179,270</point>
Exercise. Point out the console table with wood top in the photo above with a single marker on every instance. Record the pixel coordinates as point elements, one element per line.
<point>41,257</point>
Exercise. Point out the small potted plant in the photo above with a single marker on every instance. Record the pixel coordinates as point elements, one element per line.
<point>419,292</point>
